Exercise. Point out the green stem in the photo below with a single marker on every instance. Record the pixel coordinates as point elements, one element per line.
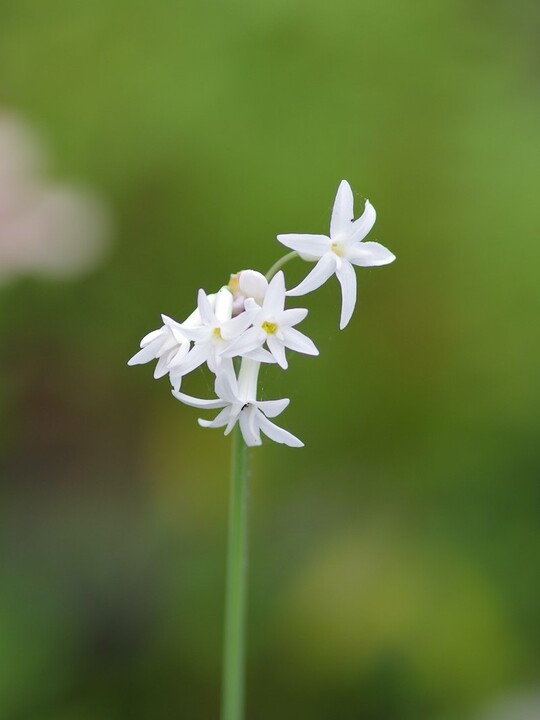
<point>232,705</point>
<point>280,263</point>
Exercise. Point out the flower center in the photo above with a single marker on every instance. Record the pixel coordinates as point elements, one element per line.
<point>269,327</point>
<point>217,333</point>
<point>337,249</point>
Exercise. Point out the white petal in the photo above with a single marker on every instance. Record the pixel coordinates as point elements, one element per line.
<point>226,385</point>
<point>195,319</point>
<point>365,222</point>
<point>147,353</point>
<point>276,433</point>
<point>370,254</point>
<point>200,403</point>
<point>169,321</point>
<point>224,303</point>
<point>347,279</point>
<point>221,419</point>
<point>231,329</point>
<point>213,360</point>
<point>179,336</point>
<point>299,342</point>
<point>175,328</point>
<point>205,309</point>
<point>250,305</point>
<point>176,380</point>
<point>178,356</point>
<point>249,428</point>
<point>234,414</point>
<point>248,377</point>
<point>247,342</point>
<point>291,317</point>
<point>307,246</point>
<point>317,277</point>
<point>195,357</point>
<point>197,334</point>
<point>277,350</point>
<point>147,339</point>
<point>252,414</point>
<point>342,212</point>
<point>274,300</point>
<point>272,408</point>
<point>260,355</point>
<point>162,367</point>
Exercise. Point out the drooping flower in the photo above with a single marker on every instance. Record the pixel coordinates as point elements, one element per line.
<point>274,325</point>
<point>236,399</point>
<point>340,251</point>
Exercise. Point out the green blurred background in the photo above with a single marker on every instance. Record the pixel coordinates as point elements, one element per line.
<point>394,560</point>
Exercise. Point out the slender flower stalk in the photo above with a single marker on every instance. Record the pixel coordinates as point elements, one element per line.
<point>236,322</point>
<point>233,679</point>
<point>280,263</point>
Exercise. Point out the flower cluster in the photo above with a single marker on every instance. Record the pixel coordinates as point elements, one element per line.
<point>247,320</point>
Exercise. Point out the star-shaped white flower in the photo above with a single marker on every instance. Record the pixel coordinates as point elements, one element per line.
<point>274,325</point>
<point>341,250</point>
<point>237,401</point>
<point>167,344</point>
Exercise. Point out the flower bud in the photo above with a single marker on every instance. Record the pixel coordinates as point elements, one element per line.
<point>247,284</point>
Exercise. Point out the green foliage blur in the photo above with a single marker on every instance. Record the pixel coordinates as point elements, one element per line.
<point>394,560</point>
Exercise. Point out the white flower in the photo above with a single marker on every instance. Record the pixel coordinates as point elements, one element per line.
<point>238,403</point>
<point>168,344</point>
<point>274,325</point>
<point>215,334</point>
<point>340,251</point>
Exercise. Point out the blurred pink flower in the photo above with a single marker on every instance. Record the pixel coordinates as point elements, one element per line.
<point>523,705</point>
<point>45,228</point>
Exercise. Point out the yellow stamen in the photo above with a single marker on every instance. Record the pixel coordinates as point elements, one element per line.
<point>217,333</point>
<point>269,327</point>
<point>337,249</point>
<point>234,282</point>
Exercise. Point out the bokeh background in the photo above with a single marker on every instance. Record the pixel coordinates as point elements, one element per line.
<point>394,560</point>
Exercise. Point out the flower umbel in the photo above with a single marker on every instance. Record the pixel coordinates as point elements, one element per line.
<point>247,319</point>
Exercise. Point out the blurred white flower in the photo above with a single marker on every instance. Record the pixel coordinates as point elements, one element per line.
<point>274,325</point>
<point>45,228</point>
<point>340,251</point>
<point>237,401</point>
